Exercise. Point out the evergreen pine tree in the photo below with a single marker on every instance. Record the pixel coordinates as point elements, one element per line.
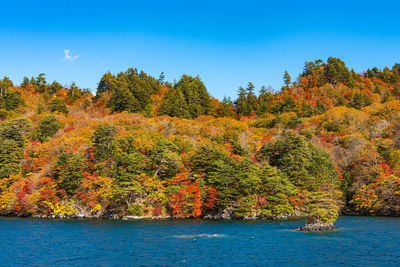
<point>357,101</point>
<point>252,101</point>
<point>241,102</point>
<point>287,80</point>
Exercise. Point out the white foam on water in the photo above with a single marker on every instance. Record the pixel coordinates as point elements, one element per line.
<point>199,236</point>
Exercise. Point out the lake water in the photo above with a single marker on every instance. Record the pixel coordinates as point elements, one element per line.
<point>360,241</point>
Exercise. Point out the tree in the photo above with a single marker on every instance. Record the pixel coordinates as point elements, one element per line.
<point>106,83</point>
<point>241,102</point>
<point>10,156</point>
<point>103,141</point>
<point>357,101</point>
<point>40,83</point>
<point>321,108</point>
<point>16,130</point>
<point>320,207</point>
<point>196,96</point>
<point>278,191</point>
<point>40,79</point>
<point>304,164</point>
<point>396,90</point>
<point>311,67</point>
<point>123,99</point>
<point>396,68</point>
<point>288,105</point>
<point>380,197</point>
<point>287,80</point>
<point>69,171</point>
<point>161,79</point>
<point>165,158</point>
<point>203,161</point>
<point>385,97</point>
<point>130,90</point>
<point>96,192</point>
<point>225,177</point>
<point>247,101</point>
<point>126,165</point>
<point>58,104</point>
<point>54,87</point>
<point>252,101</point>
<point>174,104</point>
<point>265,98</point>
<point>25,82</point>
<point>12,100</point>
<point>185,198</point>
<point>224,108</point>
<point>336,71</point>
<point>314,72</point>
<point>4,85</point>
<point>128,192</point>
<point>377,89</point>
<point>306,110</point>
<point>249,174</point>
<point>47,128</point>
<point>141,85</point>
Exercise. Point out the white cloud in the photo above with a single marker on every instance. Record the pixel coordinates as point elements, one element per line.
<point>68,57</point>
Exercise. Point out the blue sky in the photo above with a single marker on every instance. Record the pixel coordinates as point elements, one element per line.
<point>227,43</point>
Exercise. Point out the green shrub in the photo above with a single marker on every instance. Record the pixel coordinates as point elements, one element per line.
<point>58,104</point>
<point>135,209</point>
<point>47,128</point>
<point>103,140</point>
<point>3,114</point>
<point>12,100</point>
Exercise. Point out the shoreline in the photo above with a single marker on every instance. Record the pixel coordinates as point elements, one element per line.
<point>304,228</point>
<point>133,218</point>
<point>151,218</point>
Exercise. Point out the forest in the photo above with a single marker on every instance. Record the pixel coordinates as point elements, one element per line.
<point>326,143</point>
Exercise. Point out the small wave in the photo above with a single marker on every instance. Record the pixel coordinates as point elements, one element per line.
<point>199,236</point>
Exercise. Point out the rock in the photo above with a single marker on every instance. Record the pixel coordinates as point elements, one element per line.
<point>314,227</point>
<point>226,214</point>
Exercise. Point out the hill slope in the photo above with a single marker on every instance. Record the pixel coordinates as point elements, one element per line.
<point>329,141</point>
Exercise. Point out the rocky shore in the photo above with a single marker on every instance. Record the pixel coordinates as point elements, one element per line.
<point>226,214</point>
<point>127,217</point>
<point>314,227</point>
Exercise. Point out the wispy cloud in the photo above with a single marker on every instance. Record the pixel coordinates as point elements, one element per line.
<point>68,57</point>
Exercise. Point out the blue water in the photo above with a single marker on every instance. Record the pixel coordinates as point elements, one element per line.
<point>360,241</point>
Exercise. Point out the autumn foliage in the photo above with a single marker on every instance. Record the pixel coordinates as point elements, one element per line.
<point>145,147</point>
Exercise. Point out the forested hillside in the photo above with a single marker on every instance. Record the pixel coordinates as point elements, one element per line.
<point>142,146</point>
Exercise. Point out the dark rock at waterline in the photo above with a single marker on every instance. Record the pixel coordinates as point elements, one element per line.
<point>314,227</point>
<point>226,214</point>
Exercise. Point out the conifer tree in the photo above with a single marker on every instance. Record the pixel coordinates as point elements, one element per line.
<point>25,82</point>
<point>252,101</point>
<point>241,102</point>
<point>336,71</point>
<point>287,80</point>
